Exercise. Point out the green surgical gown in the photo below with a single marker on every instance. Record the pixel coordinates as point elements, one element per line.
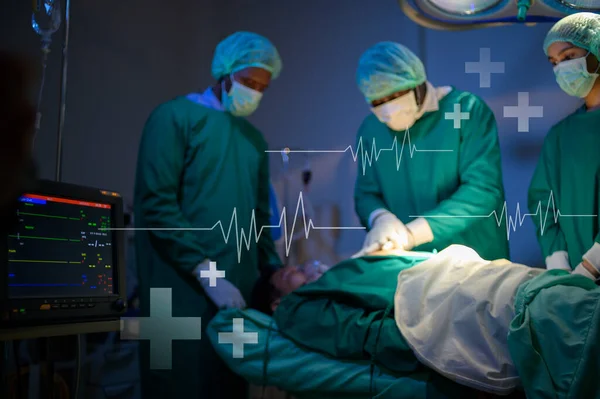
<point>206,170</point>
<point>567,179</point>
<point>459,190</point>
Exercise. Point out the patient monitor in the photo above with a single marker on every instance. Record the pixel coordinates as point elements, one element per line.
<point>63,265</point>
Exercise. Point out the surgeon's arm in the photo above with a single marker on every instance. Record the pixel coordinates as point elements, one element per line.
<point>591,259</point>
<point>543,184</point>
<point>268,259</point>
<point>161,162</point>
<point>481,189</point>
<point>590,262</point>
<point>368,200</point>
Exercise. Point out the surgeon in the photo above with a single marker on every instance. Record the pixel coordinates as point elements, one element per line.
<point>440,184</point>
<point>201,196</point>
<point>567,177</point>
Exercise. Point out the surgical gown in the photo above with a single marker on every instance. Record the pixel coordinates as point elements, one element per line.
<point>567,179</point>
<point>201,174</point>
<point>459,190</point>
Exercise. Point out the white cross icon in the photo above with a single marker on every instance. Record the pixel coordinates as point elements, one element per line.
<point>523,112</point>
<point>161,328</point>
<point>457,116</point>
<point>238,338</point>
<point>212,274</point>
<point>484,67</point>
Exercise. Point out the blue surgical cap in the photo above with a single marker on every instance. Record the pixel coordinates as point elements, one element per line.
<point>244,50</point>
<point>581,29</point>
<point>387,68</point>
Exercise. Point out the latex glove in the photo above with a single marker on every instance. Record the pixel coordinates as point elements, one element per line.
<point>583,271</point>
<point>388,228</point>
<point>558,260</point>
<point>590,264</point>
<point>224,294</point>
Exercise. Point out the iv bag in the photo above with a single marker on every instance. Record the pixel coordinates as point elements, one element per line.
<point>47,19</point>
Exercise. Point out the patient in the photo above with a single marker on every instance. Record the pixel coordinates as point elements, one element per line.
<point>452,313</point>
<point>267,293</point>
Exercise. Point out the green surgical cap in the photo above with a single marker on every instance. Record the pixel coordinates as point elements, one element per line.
<point>581,29</point>
<point>244,50</point>
<point>387,68</point>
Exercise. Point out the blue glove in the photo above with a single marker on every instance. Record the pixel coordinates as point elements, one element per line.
<point>220,291</point>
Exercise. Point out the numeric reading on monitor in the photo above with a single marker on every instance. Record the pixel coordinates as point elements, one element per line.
<point>62,248</point>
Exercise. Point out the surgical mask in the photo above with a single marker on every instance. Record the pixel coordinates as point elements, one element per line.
<point>400,113</point>
<point>573,77</point>
<point>240,100</point>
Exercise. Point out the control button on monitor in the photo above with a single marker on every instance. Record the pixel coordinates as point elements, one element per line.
<point>45,307</point>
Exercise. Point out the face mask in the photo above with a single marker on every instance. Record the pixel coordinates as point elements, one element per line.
<point>240,100</point>
<point>400,113</point>
<point>573,77</point>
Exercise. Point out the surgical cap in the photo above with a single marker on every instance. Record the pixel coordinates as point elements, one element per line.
<point>244,50</point>
<point>581,29</point>
<point>387,68</point>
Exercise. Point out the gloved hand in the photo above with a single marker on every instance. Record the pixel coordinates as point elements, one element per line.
<point>584,271</point>
<point>558,260</point>
<point>387,227</point>
<point>224,294</point>
<point>589,264</point>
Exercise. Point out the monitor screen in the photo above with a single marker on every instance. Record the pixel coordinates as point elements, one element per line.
<point>62,247</point>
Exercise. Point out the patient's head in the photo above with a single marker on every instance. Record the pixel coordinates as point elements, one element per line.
<point>288,279</point>
<point>268,292</point>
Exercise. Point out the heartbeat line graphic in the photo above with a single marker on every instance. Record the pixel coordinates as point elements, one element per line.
<point>244,238</point>
<point>368,157</point>
<point>512,223</point>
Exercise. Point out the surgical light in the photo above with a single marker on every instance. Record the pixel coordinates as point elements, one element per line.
<point>464,7</point>
<point>471,14</point>
<point>586,5</point>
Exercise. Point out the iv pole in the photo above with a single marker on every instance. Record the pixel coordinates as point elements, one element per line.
<point>63,91</point>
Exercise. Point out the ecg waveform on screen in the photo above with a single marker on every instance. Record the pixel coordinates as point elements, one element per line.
<point>68,242</point>
<point>369,156</point>
<point>516,221</point>
<point>244,238</point>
